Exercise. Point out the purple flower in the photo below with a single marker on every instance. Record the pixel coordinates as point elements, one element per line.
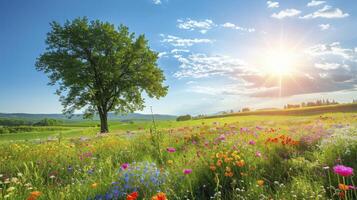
<point>171,149</point>
<point>124,166</point>
<point>187,171</point>
<point>252,142</point>
<point>343,170</point>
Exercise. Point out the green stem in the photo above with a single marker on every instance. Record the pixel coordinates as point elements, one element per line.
<point>191,191</point>
<point>330,184</point>
<point>344,182</point>
<point>354,189</point>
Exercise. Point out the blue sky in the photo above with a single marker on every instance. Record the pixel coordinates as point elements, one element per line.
<point>216,55</point>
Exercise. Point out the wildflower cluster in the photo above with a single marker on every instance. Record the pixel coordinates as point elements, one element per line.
<point>283,139</point>
<point>226,161</point>
<point>143,177</point>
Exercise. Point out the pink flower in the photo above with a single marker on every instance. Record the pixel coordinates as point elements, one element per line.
<point>124,166</point>
<point>171,149</point>
<point>351,187</point>
<point>343,170</point>
<point>221,137</point>
<point>187,171</point>
<point>258,154</point>
<point>252,142</point>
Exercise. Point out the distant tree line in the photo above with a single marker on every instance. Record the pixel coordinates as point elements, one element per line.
<point>323,102</point>
<point>22,129</point>
<point>20,122</point>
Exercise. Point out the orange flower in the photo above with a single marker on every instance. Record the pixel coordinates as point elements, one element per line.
<point>343,187</point>
<point>240,163</point>
<point>260,182</point>
<point>159,196</point>
<point>229,174</point>
<point>212,167</point>
<point>219,163</point>
<point>132,196</point>
<point>34,195</point>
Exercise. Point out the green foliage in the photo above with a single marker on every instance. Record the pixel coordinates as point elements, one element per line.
<point>48,122</point>
<point>100,68</point>
<point>14,122</point>
<point>183,118</point>
<point>25,129</point>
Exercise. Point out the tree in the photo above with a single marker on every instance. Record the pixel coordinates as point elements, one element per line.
<point>100,68</point>
<point>183,118</point>
<point>245,110</point>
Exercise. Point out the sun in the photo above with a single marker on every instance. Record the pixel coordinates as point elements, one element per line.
<point>281,62</point>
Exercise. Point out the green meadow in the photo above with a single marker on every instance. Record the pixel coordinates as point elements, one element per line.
<point>226,157</point>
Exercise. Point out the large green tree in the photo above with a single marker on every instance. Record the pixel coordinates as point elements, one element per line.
<point>100,68</point>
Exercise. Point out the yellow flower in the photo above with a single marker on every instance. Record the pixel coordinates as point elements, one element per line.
<point>228,169</point>
<point>170,162</point>
<point>260,182</point>
<point>94,185</point>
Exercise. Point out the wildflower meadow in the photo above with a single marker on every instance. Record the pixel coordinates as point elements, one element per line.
<point>246,157</point>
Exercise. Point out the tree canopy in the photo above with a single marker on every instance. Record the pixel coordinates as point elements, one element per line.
<point>100,68</point>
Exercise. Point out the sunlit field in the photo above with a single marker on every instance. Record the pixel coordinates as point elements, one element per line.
<point>239,157</point>
<point>178,100</point>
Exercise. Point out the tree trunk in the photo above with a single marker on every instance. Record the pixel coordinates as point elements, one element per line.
<point>103,122</point>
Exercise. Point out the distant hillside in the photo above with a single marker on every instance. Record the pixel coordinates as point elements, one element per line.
<point>111,116</point>
<point>352,107</point>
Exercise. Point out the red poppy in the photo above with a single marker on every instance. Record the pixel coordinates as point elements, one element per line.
<point>132,196</point>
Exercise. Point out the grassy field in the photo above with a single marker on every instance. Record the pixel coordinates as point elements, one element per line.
<point>227,157</point>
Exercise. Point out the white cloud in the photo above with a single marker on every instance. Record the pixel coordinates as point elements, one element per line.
<point>157,2</point>
<point>327,66</point>
<point>183,42</point>
<point>233,26</point>
<point>273,4</point>
<point>189,24</point>
<point>202,65</point>
<point>326,12</point>
<point>286,13</point>
<point>315,3</point>
<point>162,54</point>
<point>179,50</point>
<point>324,26</point>
<point>190,82</point>
<point>333,49</point>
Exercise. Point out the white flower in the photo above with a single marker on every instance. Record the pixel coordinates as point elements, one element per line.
<point>10,189</point>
